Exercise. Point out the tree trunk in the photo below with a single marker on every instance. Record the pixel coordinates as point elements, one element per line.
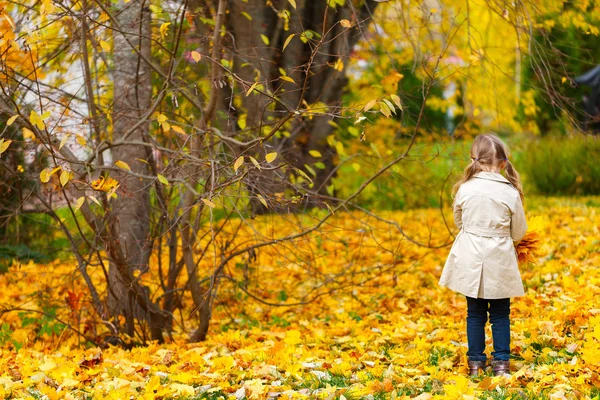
<point>130,215</point>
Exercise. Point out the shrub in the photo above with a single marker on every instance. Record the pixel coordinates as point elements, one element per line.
<point>561,166</point>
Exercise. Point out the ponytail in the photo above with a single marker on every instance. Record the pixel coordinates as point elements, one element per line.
<point>513,177</point>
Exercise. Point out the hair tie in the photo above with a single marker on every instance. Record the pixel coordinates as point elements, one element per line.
<point>475,158</point>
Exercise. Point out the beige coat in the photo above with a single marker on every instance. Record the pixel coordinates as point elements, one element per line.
<point>482,262</point>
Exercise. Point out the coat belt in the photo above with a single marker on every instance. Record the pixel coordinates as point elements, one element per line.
<point>487,232</point>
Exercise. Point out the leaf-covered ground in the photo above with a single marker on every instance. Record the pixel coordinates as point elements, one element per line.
<point>377,324</point>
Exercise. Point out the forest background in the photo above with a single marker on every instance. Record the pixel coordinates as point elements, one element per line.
<point>272,178</point>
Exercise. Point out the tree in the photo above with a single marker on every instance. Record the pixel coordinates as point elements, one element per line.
<point>165,127</point>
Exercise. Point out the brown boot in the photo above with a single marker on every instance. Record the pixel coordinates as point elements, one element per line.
<point>475,367</point>
<point>500,367</point>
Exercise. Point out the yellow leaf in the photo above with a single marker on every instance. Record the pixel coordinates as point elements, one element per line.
<point>4,145</point>
<point>256,164</point>
<point>262,200</point>
<point>287,79</point>
<point>254,85</point>
<point>293,337</point>
<point>11,120</point>
<point>385,110</point>
<point>315,153</point>
<point>105,46</point>
<point>390,105</point>
<point>79,203</point>
<point>45,175</point>
<point>36,120</point>
<point>196,56</point>
<point>95,200</point>
<point>356,166</point>
<point>270,157</point>
<point>166,127</point>
<point>161,118</point>
<point>123,164</point>
<point>178,129</point>
<point>288,40</point>
<point>242,121</point>
<point>162,179</point>
<point>247,16</point>
<point>564,79</point>
<point>63,141</point>
<point>345,23</point>
<point>209,203</point>
<point>293,3</point>
<point>339,65</point>
<point>163,29</point>
<point>265,39</point>
<point>238,163</point>
<point>28,134</point>
<point>397,101</point>
<point>104,184</point>
<point>369,105</point>
<point>64,177</point>
<point>81,140</point>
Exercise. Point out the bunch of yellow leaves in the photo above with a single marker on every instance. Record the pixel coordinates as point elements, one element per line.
<point>528,248</point>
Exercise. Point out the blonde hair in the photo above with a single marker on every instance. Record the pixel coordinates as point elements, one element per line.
<point>488,149</point>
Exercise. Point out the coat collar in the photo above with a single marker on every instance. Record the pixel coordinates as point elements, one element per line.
<point>492,176</point>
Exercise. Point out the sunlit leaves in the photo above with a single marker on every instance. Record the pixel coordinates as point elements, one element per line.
<point>123,165</point>
<point>79,202</point>
<point>4,145</point>
<point>288,40</point>
<point>161,178</point>
<point>38,120</point>
<point>63,141</point>
<point>162,120</point>
<point>293,3</point>
<point>104,184</point>
<point>265,39</point>
<point>262,200</point>
<point>164,27</point>
<point>65,176</point>
<point>196,56</point>
<point>270,157</point>
<point>369,105</point>
<point>345,23</point>
<point>251,88</point>
<point>12,119</point>
<point>253,160</point>
<point>397,101</point>
<point>238,163</point>
<point>287,79</point>
<point>47,173</point>
<point>104,45</point>
<point>209,203</point>
<point>385,109</point>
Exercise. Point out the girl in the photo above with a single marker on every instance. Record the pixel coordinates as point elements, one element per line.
<point>482,264</point>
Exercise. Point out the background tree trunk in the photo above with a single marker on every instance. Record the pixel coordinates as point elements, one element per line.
<point>309,64</point>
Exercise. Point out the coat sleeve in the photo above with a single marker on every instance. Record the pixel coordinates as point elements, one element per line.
<point>518,224</point>
<point>457,207</point>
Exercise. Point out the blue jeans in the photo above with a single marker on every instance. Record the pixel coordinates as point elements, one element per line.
<point>477,315</point>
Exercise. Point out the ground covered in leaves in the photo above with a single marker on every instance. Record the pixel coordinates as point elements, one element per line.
<point>382,329</point>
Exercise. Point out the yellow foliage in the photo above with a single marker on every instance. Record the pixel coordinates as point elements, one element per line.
<point>387,329</point>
